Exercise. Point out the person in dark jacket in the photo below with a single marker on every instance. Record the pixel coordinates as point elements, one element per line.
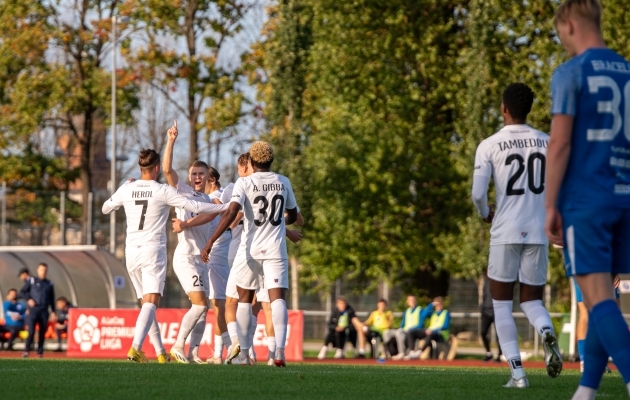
<point>61,319</point>
<point>487,319</point>
<point>40,296</point>
<point>340,329</point>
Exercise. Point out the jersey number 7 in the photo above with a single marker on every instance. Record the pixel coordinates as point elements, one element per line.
<point>144,204</point>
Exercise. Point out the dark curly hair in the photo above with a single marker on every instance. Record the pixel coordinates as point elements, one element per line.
<point>518,98</point>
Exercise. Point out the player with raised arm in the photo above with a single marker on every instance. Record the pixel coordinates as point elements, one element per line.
<point>147,204</point>
<point>262,262</point>
<point>190,270</point>
<point>588,181</point>
<point>515,158</point>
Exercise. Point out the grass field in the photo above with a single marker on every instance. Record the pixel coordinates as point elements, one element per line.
<point>68,379</point>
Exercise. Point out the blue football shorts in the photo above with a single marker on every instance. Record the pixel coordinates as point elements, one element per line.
<point>596,240</point>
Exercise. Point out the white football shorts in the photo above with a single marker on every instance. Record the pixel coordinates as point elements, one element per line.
<point>191,272</point>
<point>262,295</point>
<point>218,277</point>
<point>146,266</point>
<point>230,287</point>
<point>255,274</point>
<point>526,263</point>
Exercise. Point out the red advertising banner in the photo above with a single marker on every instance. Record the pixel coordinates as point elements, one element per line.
<point>103,333</point>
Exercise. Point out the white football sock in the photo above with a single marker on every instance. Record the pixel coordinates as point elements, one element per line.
<point>537,315</point>
<point>143,323</point>
<point>271,345</point>
<point>188,323</point>
<point>585,393</point>
<point>243,316</point>
<point>233,331</point>
<point>508,336</point>
<point>196,335</point>
<point>253,324</point>
<point>218,346</point>
<point>227,342</point>
<point>155,337</point>
<point>280,318</point>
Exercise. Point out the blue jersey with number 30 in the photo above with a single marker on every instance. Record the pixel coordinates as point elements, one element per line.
<point>594,88</point>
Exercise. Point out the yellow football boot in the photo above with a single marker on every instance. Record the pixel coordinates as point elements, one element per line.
<point>136,356</point>
<point>163,358</point>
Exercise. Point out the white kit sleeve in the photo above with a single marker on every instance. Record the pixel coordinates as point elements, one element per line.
<point>114,202</point>
<point>480,194</point>
<point>174,199</point>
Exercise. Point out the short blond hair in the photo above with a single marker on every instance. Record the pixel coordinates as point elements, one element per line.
<point>261,153</point>
<point>589,10</point>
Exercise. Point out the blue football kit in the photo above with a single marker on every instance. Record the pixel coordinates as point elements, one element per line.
<point>594,198</point>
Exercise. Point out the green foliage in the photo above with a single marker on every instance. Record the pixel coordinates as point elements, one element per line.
<point>35,181</point>
<point>372,145</point>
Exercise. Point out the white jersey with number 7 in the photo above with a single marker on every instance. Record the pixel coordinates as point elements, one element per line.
<point>147,205</point>
<point>263,197</point>
<point>516,157</point>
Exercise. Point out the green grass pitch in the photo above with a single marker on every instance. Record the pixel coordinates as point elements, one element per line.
<point>72,379</point>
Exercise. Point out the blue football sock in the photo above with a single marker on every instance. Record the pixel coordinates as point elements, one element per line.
<point>580,348</point>
<point>595,358</point>
<point>614,335</point>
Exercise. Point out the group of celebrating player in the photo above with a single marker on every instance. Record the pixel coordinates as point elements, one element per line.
<point>571,189</point>
<point>231,250</point>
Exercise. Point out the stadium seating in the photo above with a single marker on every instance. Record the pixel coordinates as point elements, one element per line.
<point>50,332</point>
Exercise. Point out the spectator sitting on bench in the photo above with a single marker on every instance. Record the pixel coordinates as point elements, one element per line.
<point>437,331</point>
<point>61,323</point>
<point>340,328</point>
<point>14,318</point>
<point>377,323</point>
<point>413,318</point>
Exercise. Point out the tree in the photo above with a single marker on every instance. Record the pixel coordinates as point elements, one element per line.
<point>180,51</point>
<point>369,130</point>
<point>69,90</point>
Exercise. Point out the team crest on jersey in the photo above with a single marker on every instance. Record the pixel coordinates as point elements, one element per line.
<point>275,280</point>
<point>524,234</point>
<point>263,252</point>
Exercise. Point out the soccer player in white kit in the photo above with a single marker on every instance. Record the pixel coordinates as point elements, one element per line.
<point>264,196</point>
<point>515,158</point>
<point>147,204</point>
<point>190,270</point>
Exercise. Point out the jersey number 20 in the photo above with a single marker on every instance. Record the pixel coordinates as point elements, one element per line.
<point>531,179</point>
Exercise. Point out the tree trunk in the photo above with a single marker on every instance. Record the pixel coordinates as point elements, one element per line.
<point>194,149</point>
<point>86,174</point>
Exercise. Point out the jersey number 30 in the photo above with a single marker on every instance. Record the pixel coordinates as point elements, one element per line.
<point>277,212</point>
<point>531,178</point>
<point>610,107</point>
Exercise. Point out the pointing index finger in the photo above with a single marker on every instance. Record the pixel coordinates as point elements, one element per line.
<point>175,123</point>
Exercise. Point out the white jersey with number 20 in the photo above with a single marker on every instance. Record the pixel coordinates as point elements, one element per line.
<point>147,205</point>
<point>263,197</point>
<point>516,157</point>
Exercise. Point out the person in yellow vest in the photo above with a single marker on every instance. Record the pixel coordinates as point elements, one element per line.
<point>378,322</point>
<point>413,318</point>
<point>438,329</point>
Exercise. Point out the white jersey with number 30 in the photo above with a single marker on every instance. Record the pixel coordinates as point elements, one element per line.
<point>516,157</point>
<point>147,205</point>
<point>263,197</point>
